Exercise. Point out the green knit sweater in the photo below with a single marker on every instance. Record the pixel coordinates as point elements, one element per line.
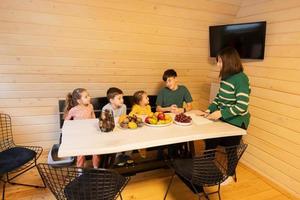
<point>232,99</point>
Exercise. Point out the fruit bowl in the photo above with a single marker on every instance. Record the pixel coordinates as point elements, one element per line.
<point>183,119</point>
<point>183,123</point>
<point>158,125</point>
<point>158,119</point>
<point>130,122</point>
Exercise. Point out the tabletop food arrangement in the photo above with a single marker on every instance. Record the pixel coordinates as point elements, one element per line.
<point>183,119</point>
<point>130,122</point>
<point>157,119</point>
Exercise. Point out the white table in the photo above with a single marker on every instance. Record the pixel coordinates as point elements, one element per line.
<point>83,137</point>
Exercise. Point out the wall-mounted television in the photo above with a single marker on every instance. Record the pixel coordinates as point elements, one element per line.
<point>247,38</point>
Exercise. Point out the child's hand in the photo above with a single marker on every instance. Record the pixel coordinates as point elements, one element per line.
<point>215,115</point>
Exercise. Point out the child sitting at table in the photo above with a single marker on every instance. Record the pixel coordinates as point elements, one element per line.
<point>141,107</point>
<point>79,107</point>
<point>140,104</point>
<point>116,104</point>
<point>171,99</point>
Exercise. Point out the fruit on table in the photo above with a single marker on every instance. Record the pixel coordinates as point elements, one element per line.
<point>161,116</point>
<point>122,118</point>
<point>158,118</point>
<point>132,125</point>
<point>150,114</point>
<point>183,118</point>
<point>153,120</point>
<point>130,122</point>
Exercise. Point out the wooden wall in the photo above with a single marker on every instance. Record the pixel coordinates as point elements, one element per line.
<point>274,133</point>
<point>50,47</point>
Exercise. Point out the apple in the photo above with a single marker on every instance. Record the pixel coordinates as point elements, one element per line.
<point>147,120</point>
<point>161,116</point>
<point>156,114</point>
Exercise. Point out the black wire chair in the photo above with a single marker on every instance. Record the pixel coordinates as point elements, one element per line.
<point>14,159</point>
<point>75,183</point>
<point>210,169</point>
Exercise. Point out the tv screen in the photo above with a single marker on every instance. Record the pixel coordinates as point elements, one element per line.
<point>247,38</point>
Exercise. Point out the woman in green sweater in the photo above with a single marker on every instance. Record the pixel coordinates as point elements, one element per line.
<point>231,103</point>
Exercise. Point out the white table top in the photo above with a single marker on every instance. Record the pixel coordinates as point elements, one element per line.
<point>83,137</point>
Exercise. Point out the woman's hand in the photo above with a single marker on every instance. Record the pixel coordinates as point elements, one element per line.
<point>215,115</point>
<point>202,113</point>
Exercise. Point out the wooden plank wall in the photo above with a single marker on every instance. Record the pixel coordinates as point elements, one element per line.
<point>50,47</point>
<point>274,133</point>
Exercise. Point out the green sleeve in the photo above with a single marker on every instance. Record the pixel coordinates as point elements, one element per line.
<point>214,105</point>
<point>242,92</point>
<point>159,99</point>
<point>187,96</point>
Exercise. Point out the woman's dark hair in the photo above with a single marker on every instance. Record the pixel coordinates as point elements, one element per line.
<point>71,99</point>
<point>231,62</point>
<point>137,96</point>
<point>169,73</point>
<point>112,92</point>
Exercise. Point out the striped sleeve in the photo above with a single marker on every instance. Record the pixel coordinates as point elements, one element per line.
<point>242,92</point>
<point>214,105</point>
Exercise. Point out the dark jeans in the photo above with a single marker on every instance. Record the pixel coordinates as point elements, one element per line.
<point>226,142</point>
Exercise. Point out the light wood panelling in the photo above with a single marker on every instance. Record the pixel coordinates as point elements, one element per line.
<point>274,134</point>
<point>50,47</point>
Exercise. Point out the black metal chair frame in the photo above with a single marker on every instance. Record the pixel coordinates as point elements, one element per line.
<point>60,179</point>
<point>226,164</point>
<point>7,142</point>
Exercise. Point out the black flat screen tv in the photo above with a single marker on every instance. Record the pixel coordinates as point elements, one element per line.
<point>247,38</point>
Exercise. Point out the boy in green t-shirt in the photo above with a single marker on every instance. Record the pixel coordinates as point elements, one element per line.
<point>172,97</point>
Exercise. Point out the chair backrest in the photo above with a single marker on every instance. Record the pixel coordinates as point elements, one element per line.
<point>6,137</point>
<point>99,102</point>
<point>215,165</point>
<point>81,183</point>
<point>234,154</point>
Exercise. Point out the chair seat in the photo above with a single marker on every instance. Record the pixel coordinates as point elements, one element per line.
<point>14,158</point>
<point>86,187</point>
<point>183,169</point>
<point>209,175</point>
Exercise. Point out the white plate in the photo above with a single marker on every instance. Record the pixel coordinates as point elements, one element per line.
<point>158,125</point>
<point>183,124</point>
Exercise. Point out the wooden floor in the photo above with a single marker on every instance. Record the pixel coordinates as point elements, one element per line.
<point>152,185</point>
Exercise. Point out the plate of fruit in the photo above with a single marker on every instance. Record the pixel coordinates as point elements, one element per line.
<point>130,122</point>
<point>183,119</point>
<point>158,119</point>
